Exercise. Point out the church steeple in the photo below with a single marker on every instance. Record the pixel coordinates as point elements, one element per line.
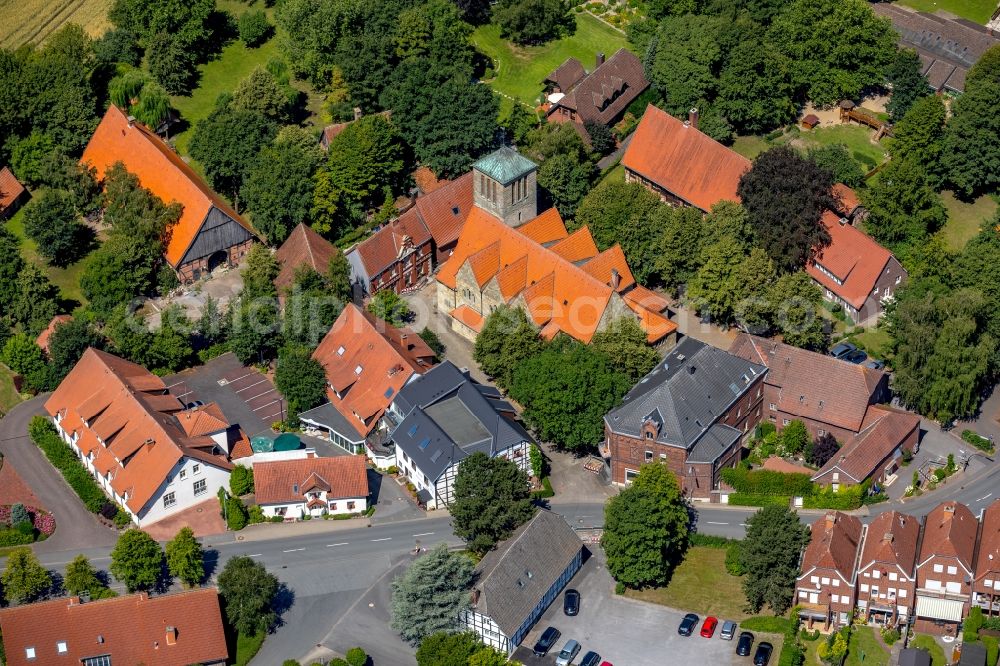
<point>504,184</point>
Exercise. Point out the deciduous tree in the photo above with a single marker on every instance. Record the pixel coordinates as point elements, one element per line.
<point>770,555</point>
<point>822,449</point>
<point>755,90</point>
<point>623,342</point>
<point>507,339</point>
<point>137,560</point>
<point>533,21</point>
<point>69,341</point>
<point>919,135</point>
<point>428,597</point>
<point>903,208</point>
<point>81,578</point>
<point>491,500</point>
<point>447,648</point>
<point>388,306</point>
<point>908,83</point>
<point>836,159</point>
<point>300,378</point>
<point>683,59</point>
<point>972,140</point>
<point>185,558</point>
<point>226,144</point>
<point>260,92</point>
<point>278,190</point>
<point>365,158</point>
<point>52,221</point>
<point>24,578</point>
<point>796,307</point>
<point>248,592</point>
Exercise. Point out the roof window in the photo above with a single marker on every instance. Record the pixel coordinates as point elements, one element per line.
<point>61,647</point>
<point>413,429</point>
<point>388,392</point>
<point>424,443</point>
<point>29,652</point>
<point>341,350</point>
<point>357,370</point>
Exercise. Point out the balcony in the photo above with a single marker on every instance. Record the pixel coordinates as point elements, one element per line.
<point>942,594</point>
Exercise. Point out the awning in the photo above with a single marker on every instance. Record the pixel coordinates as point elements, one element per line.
<point>814,614</point>
<point>424,496</point>
<point>939,609</point>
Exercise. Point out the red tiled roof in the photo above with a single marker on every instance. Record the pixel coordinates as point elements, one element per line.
<point>43,338</point>
<point>386,358</point>
<point>469,317</point>
<point>833,544</point>
<point>444,209</point>
<point>988,559</point>
<point>884,430</point>
<point>175,629</point>
<point>426,181</point>
<point>126,402</point>
<point>841,399</point>
<point>612,259</point>
<point>848,198</point>
<point>683,161</point>
<point>950,531</point>
<point>485,263</point>
<point>203,420</point>
<point>10,188</point>
<point>242,447</point>
<point>853,256</point>
<point>161,171</point>
<point>646,298</point>
<point>383,248</point>
<point>892,539</point>
<point>578,246</point>
<point>276,482</point>
<point>302,247</point>
<point>545,228</point>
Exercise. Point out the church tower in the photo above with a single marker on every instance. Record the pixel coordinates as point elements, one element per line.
<point>505,185</point>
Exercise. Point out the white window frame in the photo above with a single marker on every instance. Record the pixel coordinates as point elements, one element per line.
<point>169,499</point>
<point>195,488</point>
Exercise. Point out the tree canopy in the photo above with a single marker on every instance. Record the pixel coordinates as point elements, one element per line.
<point>971,154</point>
<point>248,592</point>
<point>185,558</point>
<point>770,556</point>
<point>491,500</point>
<point>533,21</point>
<point>300,378</point>
<point>137,560</point>
<point>428,597</point>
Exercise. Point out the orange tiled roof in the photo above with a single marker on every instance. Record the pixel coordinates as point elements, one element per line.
<point>383,248</point>
<point>276,482</point>
<point>646,298</point>
<point>43,338</point>
<point>612,259</point>
<point>485,263</point>
<point>387,357</point>
<point>683,161</point>
<point>578,246</point>
<point>120,400</point>
<point>469,317</point>
<point>545,228</point>
<point>203,420</point>
<point>167,630</point>
<point>512,278</point>
<point>853,256</point>
<point>848,198</point>
<point>950,531</point>
<point>302,247</point>
<point>161,171</point>
<point>834,544</point>
<point>10,188</point>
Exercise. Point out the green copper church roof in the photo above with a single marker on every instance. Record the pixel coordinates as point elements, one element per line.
<point>505,165</point>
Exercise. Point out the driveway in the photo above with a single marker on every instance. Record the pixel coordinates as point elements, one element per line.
<point>457,349</point>
<point>76,528</point>
<point>623,631</point>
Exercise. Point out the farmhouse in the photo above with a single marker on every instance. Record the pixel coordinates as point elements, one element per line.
<point>303,247</point>
<point>209,233</point>
<point>311,486</point>
<point>12,193</point>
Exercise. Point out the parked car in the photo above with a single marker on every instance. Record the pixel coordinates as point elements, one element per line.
<point>568,653</point>
<point>856,357</point>
<point>842,349</point>
<point>875,364</point>
<point>744,643</point>
<point>606,663</point>
<point>571,602</point>
<point>688,624</point>
<point>763,654</point>
<point>728,630</point>
<point>708,627</point>
<point>546,641</point>
<point>590,659</point>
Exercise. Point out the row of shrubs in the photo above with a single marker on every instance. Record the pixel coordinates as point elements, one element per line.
<point>767,482</point>
<point>977,440</point>
<point>44,435</point>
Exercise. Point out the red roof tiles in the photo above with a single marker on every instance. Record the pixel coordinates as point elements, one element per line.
<point>853,257</point>
<point>303,247</point>
<point>469,317</point>
<point>11,188</point>
<point>605,93</point>
<point>950,531</point>
<point>43,338</point>
<point>833,545</point>
<point>287,481</point>
<point>892,539</point>
<point>170,630</point>
<point>381,250</point>
<point>988,559</point>
<point>444,209</point>
<point>883,431</point>
<point>683,161</point>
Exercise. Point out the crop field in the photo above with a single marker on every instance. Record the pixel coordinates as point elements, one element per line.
<point>32,21</point>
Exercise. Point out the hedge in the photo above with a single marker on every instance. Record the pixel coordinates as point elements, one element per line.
<point>844,499</point>
<point>748,499</point>
<point>709,541</point>
<point>545,491</point>
<point>977,440</point>
<point>992,649</point>
<point>44,434</point>
<point>12,537</point>
<point>767,482</point>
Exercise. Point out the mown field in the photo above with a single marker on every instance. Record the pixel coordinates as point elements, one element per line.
<point>974,10</point>
<point>32,21</point>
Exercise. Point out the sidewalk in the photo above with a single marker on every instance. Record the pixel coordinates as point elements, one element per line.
<point>268,531</point>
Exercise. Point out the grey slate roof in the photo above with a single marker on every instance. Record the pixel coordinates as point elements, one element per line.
<point>513,577</point>
<point>505,165</point>
<point>448,417</point>
<point>686,393</point>
<point>914,657</point>
<point>327,415</point>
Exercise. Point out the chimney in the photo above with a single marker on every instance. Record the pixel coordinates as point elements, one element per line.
<point>131,121</point>
<point>357,113</point>
<point>843,221</point>
<point>171,636</point>
<point>691,369</point>
<point>949,508</point>
<point>616,279</point>
<point>693,117</point>
<point>74,601</point>
<point>600,60</point>
<point>887,537</point>
<point>831,519</point>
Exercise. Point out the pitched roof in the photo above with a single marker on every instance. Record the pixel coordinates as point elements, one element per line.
<point>513,577</point>
<point>367,361</point>
<point>175,629</point>
<point>608,90</point>
<point>303,247</point>
<point>847,197</point>
<point>131,411</point>
<point>43,338</point>
<point>833,544</point>
<point>950,531</point>
<point>444,209</point>
<point>683,161</point>
<point>883,431</point>
<point>567,74</point>
<point>287,481</point>
<point>10,188</point>
<point>988,558</point>
<point>577,246</point>
<point>161,171</point>
<point>385,246</point>
<point>203,420</point>
<point>685,394</point>
<point>504,165</point>
<point>841,399</point>
<point>891,539</point>
<point>853,257</point>
<point>545,228</point>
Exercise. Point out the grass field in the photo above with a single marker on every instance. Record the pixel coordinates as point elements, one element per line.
<point>750,146</point>
<point>66,279</point>
<point>33,20</point>
<point>875,341</point>
<point>925,642</point>
<point>855,138</point>
<point>965,219</point>
<point>865,649</point>
<point>703,569</point>
<point>8,396</point>
<point>974,10</point>
<point>520,71</point>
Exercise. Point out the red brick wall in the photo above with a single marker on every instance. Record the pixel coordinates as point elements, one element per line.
<point>186,272</point>
<point>421,267</point>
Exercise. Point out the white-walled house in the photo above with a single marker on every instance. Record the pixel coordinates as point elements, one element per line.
<point>444,417</point>
<point>311,486</point>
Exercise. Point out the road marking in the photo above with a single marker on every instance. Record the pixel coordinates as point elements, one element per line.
<point>743,524</point>
<point>385,539</point>
<point>424,534</point>
<point>985,498</point>
<point>256,555</point>
<point>293,550</point>
<point>709,522</point>
<point>331,545</point>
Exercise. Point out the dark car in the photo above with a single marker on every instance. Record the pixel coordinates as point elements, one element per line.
<point>571,602</point>
<point>546,641</point>
<point>763,654</point>
<point>856,357</point>
<point>842,350</point>
<point>744,643</point>
<point>590,659</point>
<point>688,624</point>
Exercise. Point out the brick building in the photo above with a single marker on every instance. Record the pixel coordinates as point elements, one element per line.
<point>945,569</point>
<point>986,588</point>
<point>886,569</point>
<point>692,412</point>
<point>825,590</point>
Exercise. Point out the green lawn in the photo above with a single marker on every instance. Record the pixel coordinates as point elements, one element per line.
<point>974,10</point>
<point>965,219</point>
<point>247,647</point>
<point>925,642</point>
<point>8,396</point>
<point>66,279</point>
<point>703,569</point>
<point>520,71</point>
<point>750,146</point>
<point>865,649</point>
<point>856,138</point>
<point>615,174</point>
<point>875,341</point>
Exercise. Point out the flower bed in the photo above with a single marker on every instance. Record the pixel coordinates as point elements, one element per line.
<point>41,527</point>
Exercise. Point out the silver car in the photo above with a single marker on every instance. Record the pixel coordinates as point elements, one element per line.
<point>568,653</point>
<point>728,630</point>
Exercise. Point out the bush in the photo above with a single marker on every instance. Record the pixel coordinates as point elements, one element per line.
<point>18,515</point>
<point>236,514</point>
<point>991,623</point>
<point>241,480</point>
<point>13,537</point>
<point>255,515</point>
<point>44,435</point>
<point>808,635</point>
<point>393,470</point>
<point>890,636</point>
<point>992,649</point>
<point>709,541</point>
<point>254,28</point>
<point>122,519</point>
<point>356,657</point>
<point>734,563</point>
<point>749,499</point>
<point>845,499</point>
<point>973,623</point>
<point>767,482</point>
<point>977,440</point>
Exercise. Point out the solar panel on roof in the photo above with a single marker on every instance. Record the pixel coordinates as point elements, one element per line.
<point>436,455</point>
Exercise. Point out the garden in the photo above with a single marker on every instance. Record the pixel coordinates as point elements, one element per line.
<point>21,525</point>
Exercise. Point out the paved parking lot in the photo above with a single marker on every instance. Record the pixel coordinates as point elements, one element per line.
<point>625,632</point>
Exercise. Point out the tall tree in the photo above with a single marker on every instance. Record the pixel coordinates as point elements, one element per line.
<point>903,208</point>
<point>683,238</point>
<point>35,301</point>
<point>646,528</point>
<point>388,306</point>
<point>797,303</point>
<point>727,277</point>
<point>836,159</point>
<point>770,555</point>
<point>311,307</point>
<point>784,195</point>
<point>908,83</point>
<point>137,560</point>
<point>507,339</point>
<point>24,578</point>
<point>258,274</point>
<point>52,221</point>
<point>566,181</point>
<point>755,88</point>
<point>171,63</point>
<point>301,380</point>
<point>491,500</point>
<point>683,60</point>
<point>972,140</point>
<point>69,341</point>
<point>365,158</point>
<point>260,92</point>
<point>623,342</point>
<point>428,597</point>
<point>533,21</point>
<point>185,558</point>
<point>248,593</point>
<point>278,190</point>
<point>255,333</point>
<point>226,144</point>
<point>919,135</point>
<point>81,578</point>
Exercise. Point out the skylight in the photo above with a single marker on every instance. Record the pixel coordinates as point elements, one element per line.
<point>340,351</point>
<point>388,392</point>
<point>436,455</point>
<point>413,429</point>
<point>424,443</point>
<point>357,370</point>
